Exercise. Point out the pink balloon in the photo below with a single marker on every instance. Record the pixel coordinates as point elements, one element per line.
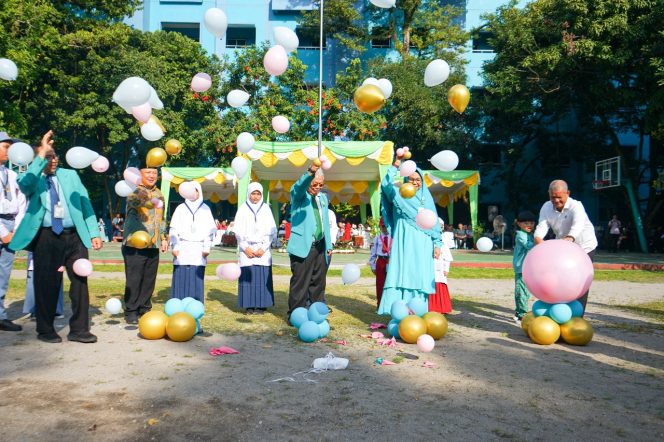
<point>557,271</point>
<point>187,190</point>
<point>100,164</point>
<point>157,203</point>
<point>201,82</point>
<point>406,149</point>
<point>132,175</point>
<point>83,267</point>
<point>407,168</point>
<point>280,124</point>
<point>323,158</point>
<point>426,219</point>
<point>230,271</point>
<point>326,165</point>
<point>399,152</point>
<point>425,343</point>
<point>142,112</point>
<point>276,60</point>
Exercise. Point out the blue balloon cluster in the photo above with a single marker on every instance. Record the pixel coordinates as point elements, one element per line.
<point>561,313</point>
<point>311,324</point>
<point>189,305</point>
<point>401,309</point>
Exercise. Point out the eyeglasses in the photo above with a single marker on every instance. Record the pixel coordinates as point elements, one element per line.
<point>414,180</point>
<point>51,157</point>
<point>316,185</point>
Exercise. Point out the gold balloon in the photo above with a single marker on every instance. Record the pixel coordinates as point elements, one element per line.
<point>156,157</point>
<point>407,190</point>
<point>576,331</point>
<point>154,120</point>
<point>407,155</point>
<point>317,162</point>
<point>173,147</point>
<point>436,324</point>
<point>525,321</point>
<point>152,325</point>
<point>412,327</point>
<point>368,98</point>
<point>140,239</point>
<point>181,327</point>
<point>458,96</point>
<point>543,330</point>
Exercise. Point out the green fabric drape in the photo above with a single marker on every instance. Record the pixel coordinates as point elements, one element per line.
<point>188,174</point>
<point>352,149</point>
<point>363,213</point>
<point>472,194</point>
<point>243,185</point>
<point>374,198</point>
<point>450,214</point>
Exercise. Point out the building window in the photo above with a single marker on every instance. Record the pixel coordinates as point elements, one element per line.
<point>481,41</point>
<point>240,36</point>
<point>191,30</point>
<point>380,38</point>
<point>182,1</point>
<point>309,38</point>
<point>490,154</point>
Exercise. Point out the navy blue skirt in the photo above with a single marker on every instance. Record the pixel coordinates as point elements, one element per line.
<point>255,287</point>
<point>188,281</point>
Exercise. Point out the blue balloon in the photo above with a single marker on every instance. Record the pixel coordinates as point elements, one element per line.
<point>318,312</point>
<point>195,308</point>
<point>186,301</point>
<point>173,306</point>
<point>308,331</point>
<point>393,328</point>
<point>540,308</point>
<point>298,317</point>
<point>399,310</point>
<point>561,313</point>
<point>418,306</point>
<point>198,326</point>
<point>577,309</point>
<point>324,329</point>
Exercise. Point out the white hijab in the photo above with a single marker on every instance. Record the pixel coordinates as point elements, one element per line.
<point>254,221</point>
<point>193,220</point>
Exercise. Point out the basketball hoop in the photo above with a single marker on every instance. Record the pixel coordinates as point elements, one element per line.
<point>600,184</point>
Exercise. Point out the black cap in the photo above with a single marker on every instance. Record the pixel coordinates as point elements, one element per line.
<point>526,215</point>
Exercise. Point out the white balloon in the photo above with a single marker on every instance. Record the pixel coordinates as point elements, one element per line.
<point>239,166</point>
<point>154,100</point>
<point>286,37</point>
<point>237,98</point>
<point>436,72</point>
<point>383,3</point>
<point>80,157</point>
<point>245,142</point>
<point>371,80</point>
<point>385,86</point>
<point>407,168</point>
<point>113,306</point>
<point>216,22</point>
<point>133,91</point>
<point>132,175</point>
<point>21,154</point>
<point>350,274</point>
<point>484,244</point>
<point>151,131</point>
<point>124,189</point>
<point>280,124</point>
<point>445,160</point>
<point>188,191</point>
<point>100,164</point>
<point>8,69</point>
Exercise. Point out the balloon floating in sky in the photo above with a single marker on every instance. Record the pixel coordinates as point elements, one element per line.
<point>383,3</point>
<point>280,124</point>
<point>237,98</point>
<point>8,69</point>
<point>216,22</point>
<point>445,160</point>
<point>275,60</point>
<point>201,82</point>
<point>426,219</point>
<point>245,142</point>
<point>154,100</point>
<point>350,274</point>
<point>124,189</point>
<point>132,175</point>
<point>239,166</point>
<point>407,168</point>
<point>458,96</point>
<point>286,38</point>
<point>484,244</point>
<point>188,191</point>
<point>82,267</point>
<point>80,157</point>
<point>151,132</point>
<point>385,86</point>
<point>21,154</point>
<point>173,147</point>
<point>436,73</point>
<point>132,91</point>
<point>156,157</point>
<point>100,164</point>
<point>368,98</point>
<point>142,112</point>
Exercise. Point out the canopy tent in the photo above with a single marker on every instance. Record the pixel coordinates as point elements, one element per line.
<point>218,183</point>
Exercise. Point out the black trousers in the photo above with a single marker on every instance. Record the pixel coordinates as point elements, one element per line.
<point>141,273</point>
<point>50,252</point>
<point>584,299</point>
<point>307,283</point>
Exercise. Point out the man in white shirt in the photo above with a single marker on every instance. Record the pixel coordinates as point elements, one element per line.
<point>568,220</point>
<point>12,208</point>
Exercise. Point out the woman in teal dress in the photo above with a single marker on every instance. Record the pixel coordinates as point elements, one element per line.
<point>410,272</point>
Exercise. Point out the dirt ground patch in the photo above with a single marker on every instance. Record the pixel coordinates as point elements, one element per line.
<point>488,381</point>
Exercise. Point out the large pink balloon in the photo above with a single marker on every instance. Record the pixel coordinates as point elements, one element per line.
<point>557,271</point>
<point>100,164</point>
<point>83,267</point>
<point>230,271</point>
<point>187,190</point>
<point>142,112</point>
<point>280,124</point>
<point>407,168</point>
<point>201,82</point>
<point>276,60</point>
<point>425,343</point>
<point>132,175</point>
<point>426,219</point>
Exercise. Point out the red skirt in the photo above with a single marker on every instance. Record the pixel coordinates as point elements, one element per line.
<point>440,301</point>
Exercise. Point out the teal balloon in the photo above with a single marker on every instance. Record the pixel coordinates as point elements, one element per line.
<point>393,328</point>
<point>540,308</point>
<point>298,317</point>
<point>173,306</point>
<point>418,306</point>
<point>399,310</point>
<point>561,313</point>
<point>577,309</point>
<point>318,312</point>
<point>198,326</point>
<point>308,331</point>
<point>186,301</point>
<point>195,308</point>
<point>324,329</point>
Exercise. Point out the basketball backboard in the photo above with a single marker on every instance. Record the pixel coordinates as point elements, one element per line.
<point>607,173</point>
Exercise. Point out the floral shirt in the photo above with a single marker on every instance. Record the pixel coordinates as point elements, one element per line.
<point>143,215</point>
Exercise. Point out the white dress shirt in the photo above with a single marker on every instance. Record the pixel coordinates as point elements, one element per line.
<point>571,221</point>
<point>13,204</point>
<point>334,227</point>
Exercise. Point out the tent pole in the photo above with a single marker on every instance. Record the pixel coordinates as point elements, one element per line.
<point>320,82</point>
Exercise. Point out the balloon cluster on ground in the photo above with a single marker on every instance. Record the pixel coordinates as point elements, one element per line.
<point>557,272</point>
<point>414,324</point>
<point>311,323</point>
<point>180,320</point>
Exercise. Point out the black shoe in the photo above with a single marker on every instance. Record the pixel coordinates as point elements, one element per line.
<point>51,338</point>
<point>259,311</point>
<point>133,319</point>
<point>84,337</point>
<point>7,325</point>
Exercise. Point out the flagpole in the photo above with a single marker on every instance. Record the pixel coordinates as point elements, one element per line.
<point>320,83</point>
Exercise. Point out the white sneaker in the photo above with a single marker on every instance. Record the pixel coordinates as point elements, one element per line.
<point>516,320</point>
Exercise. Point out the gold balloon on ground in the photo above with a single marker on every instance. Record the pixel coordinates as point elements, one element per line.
<point>369,98</point>
<point>525,321</point>
<point>173,147</point>
<point>140,239</point>
<point>458,96</point>
<point>543,330</point>
<point>436,324</point>
<point>412,327</point>
<point>181,327</point>
<point>152,325</point>
<point>407,190</point>
<point>576,331</point>
<point>156,157</point>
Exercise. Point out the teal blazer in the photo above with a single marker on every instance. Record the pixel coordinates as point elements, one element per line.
<point>33,185</point>
<point>303,221</point>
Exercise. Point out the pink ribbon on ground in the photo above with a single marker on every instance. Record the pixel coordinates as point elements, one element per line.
<point>377,335</point>
<point>377,325</point>
<point>391,342</point>
<point>427,364</point>
<point>341,342</point>
<point>223,351</point>
<point>386,362</point>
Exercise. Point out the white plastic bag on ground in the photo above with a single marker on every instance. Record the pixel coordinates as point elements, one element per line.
<point>330,362</point>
